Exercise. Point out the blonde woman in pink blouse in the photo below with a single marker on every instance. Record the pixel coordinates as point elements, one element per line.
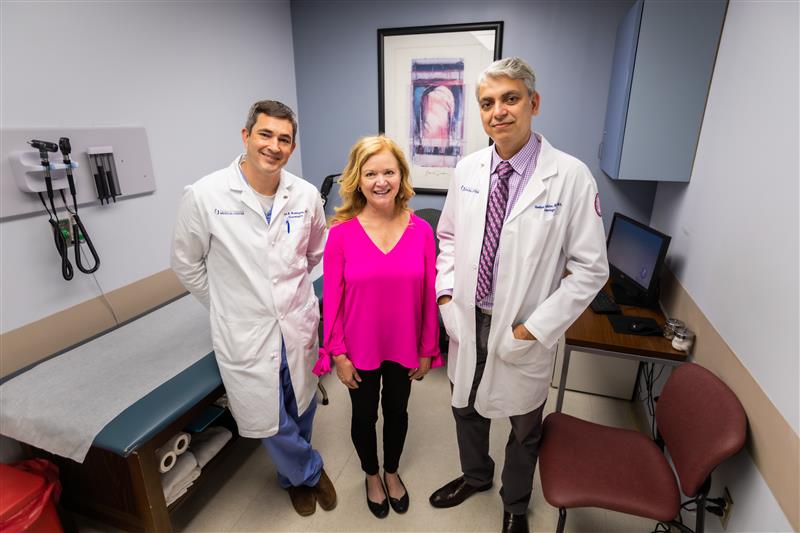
<point>379,308</point>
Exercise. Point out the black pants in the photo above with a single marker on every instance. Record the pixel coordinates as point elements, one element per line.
<point>394,404</point>
<point>472,433</point>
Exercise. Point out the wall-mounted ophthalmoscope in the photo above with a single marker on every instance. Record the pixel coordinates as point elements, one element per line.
<point>78,230</point>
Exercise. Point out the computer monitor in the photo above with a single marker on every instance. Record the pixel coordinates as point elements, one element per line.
<point>636,255</point>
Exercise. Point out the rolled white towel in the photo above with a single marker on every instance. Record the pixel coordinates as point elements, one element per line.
<point>208,443</point>
<point>166,459</point>
<point>179,443</point>
<point>222,401</point>
<point>181,487</point>
<point>173,498</point>
<point>175,477</point>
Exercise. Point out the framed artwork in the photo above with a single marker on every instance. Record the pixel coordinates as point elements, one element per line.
<point>426,95</point>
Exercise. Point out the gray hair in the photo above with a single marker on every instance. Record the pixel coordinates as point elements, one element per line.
<point>271,108</point>
<point>511,67</point>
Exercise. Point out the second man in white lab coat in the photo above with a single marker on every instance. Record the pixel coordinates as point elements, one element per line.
<point>245,240</point>
<point>518,216</point>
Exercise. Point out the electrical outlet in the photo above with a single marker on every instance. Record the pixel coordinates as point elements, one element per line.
<point>727,509</point>
<point>65,228</point>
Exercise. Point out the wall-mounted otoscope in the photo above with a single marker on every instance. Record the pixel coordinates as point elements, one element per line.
<point>63,233</point>
<point>44,148</point>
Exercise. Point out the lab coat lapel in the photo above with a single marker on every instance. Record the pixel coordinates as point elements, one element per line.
<point>249,199</point>
<point>237,183</point>
<point>282,195</point>
<point>481,180</point>
<point>546,168</point>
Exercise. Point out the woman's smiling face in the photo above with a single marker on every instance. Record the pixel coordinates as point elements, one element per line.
<point>380,180</point>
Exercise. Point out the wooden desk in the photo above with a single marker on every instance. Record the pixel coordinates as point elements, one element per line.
<point>593,333</point>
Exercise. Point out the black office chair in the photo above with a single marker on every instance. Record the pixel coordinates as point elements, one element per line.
<point>325,188</point>
<point>324,191</point>
<point>431,216</point>
<point>318,293</point>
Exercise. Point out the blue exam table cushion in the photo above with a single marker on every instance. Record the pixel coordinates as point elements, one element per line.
<point>141,421</point>
<point>144,419</point>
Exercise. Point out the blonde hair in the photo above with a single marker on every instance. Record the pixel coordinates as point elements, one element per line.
<point>353,200</point>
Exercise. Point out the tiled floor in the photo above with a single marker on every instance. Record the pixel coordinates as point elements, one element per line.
<point>244,494</point>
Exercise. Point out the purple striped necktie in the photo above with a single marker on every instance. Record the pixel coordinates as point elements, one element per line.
<point>495,215</point>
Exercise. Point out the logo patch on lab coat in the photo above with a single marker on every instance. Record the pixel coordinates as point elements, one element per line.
<point>597,205</point>
<point>228,211</point>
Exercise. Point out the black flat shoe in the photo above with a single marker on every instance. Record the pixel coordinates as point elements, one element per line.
<point>455,492</point>
<point>380,510</point>
<point>400,505</point>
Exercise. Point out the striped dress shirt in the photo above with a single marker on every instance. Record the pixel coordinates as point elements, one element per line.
<point>523,163</point>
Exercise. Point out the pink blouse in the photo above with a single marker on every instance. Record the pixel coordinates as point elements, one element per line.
<point>379,307</point>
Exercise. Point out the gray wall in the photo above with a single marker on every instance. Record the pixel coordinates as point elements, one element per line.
<point>569,44</point>
<point>187,72</point>
<point>734,226</point>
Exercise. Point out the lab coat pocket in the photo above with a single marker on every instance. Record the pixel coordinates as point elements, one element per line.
<point>238,343</point>
<point>308,326</point>
<point>295,231</point>
<point>513,350</point>
<point>449,319</point>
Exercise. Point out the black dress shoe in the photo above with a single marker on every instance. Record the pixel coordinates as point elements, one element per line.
<point>400,505</point>
<point>380,510</point>
<point>515,523</point>
<point>455,492</point>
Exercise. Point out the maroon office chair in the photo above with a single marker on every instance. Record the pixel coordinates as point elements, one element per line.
<point>699,419</point>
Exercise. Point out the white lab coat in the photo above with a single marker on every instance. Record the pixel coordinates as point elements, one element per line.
<point>254,279</point>
<point>555,225</point>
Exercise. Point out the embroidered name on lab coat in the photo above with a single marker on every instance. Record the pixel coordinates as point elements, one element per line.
<point>548,208</point>
<point>464,188</point>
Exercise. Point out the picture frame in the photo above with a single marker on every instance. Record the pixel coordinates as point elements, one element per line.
<point>426,88</point>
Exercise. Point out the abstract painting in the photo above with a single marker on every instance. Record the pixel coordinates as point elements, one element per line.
<point>437,109</point>
<point>426,88</point>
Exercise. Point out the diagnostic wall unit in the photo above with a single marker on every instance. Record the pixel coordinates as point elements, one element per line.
<point>23,176</point>
<point>663,61</point>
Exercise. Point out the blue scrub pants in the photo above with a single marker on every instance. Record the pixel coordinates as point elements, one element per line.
<point>290,449</point>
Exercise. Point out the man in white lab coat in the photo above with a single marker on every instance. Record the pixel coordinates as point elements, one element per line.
<point>522,255</point>
<point>245,240</point>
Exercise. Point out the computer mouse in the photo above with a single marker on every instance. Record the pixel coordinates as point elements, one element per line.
<point>635,327</point>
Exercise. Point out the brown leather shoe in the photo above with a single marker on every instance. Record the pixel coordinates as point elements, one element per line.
<point>303,499</point>
<point>324,491</point>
